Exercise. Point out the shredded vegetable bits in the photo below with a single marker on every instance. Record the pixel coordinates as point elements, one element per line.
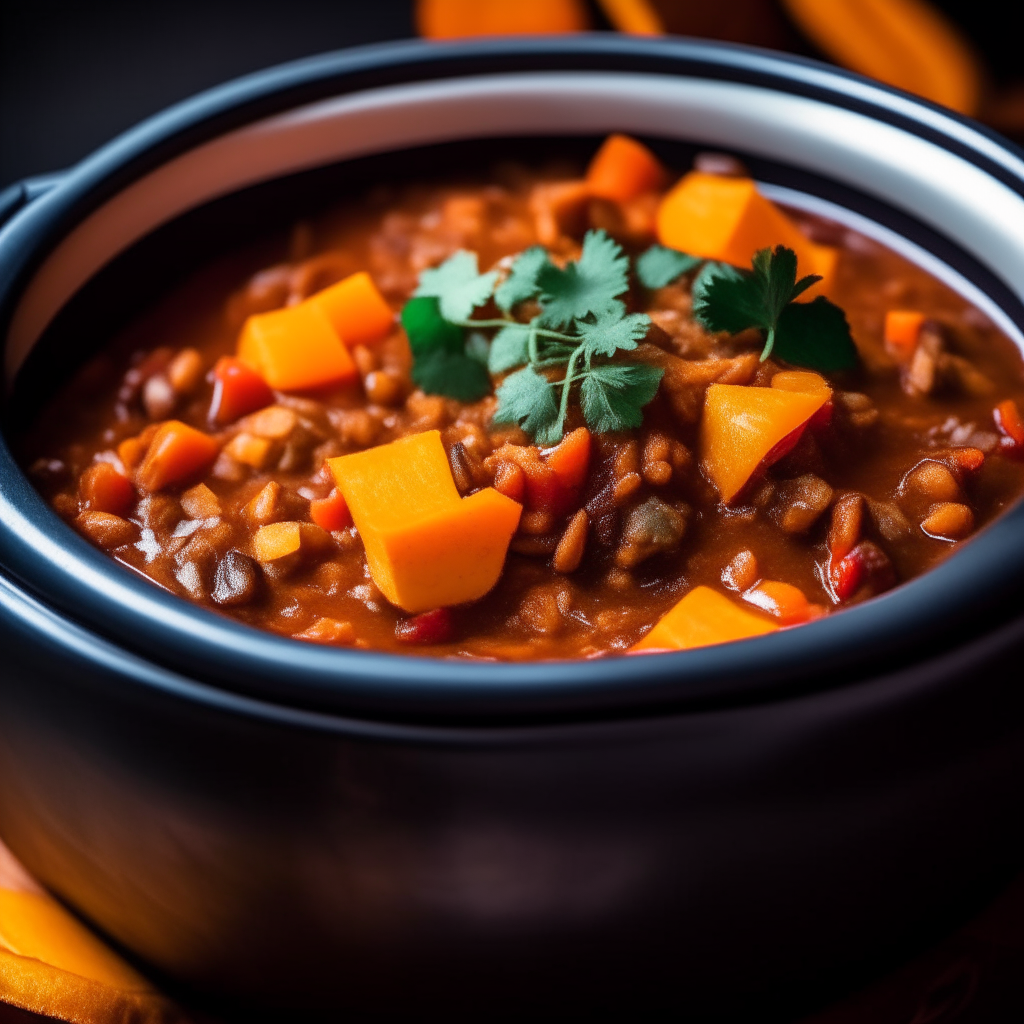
<point>635,409</point>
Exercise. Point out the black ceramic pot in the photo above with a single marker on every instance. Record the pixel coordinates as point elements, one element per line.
<point>269,823</point>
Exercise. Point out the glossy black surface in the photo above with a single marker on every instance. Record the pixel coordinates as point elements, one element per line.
<point>256,818</point>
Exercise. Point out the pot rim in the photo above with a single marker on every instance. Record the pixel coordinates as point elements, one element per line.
<point>968,594</point>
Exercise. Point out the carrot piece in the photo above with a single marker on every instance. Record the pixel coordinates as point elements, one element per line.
<point>295,348</point>
<point>570,458</point>
<point>132,450</point>
<point>782,600</point>
<point>237,390</point>
<point>103,489</point>
<point>727,219</point>
<point>702,618</point>
<point>426,546</point>
<point>623,169</point>
<point>745,427</point>
<point>176,453</point>
<point>355,309</point>
<point>902,329</point>
<point>275,541</point>
<point>331,512</point>
<point>1010,423</point>
<point>459,19</point>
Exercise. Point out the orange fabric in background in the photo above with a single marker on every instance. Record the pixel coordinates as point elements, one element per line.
<point>459,19</point>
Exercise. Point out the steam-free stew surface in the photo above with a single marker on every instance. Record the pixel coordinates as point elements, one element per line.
<point>907,458</point>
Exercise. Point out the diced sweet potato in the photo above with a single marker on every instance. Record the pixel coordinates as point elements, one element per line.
<point>355,309</point>
<point>176,453</point>
<point>623,169</point>
<point>781,600</point>
<point>743,427</point>
<point>570,458</point>
<point>727,219</point>
<point>295,348</point>
<point>103,489</point>
<point>276,541</point>
<point>702,618</point>
<point>426,546</point>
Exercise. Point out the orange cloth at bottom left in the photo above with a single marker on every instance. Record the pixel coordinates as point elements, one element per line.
<point>52,965</point>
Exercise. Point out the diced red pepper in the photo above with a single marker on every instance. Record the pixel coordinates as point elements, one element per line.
<point>846,575</point>
<point>331,513</point>
<point>237,390</point>
<point>433,627</point>
<point>784,447</point>
<point>823,417</point>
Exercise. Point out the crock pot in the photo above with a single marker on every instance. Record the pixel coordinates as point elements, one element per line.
<point>264,824</point>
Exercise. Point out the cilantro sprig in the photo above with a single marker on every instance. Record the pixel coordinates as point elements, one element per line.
<point>812,334</point>
<point>565,352</point>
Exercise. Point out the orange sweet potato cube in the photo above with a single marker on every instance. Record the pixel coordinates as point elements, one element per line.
<point>426,546</point>
<point>727,219</point>
<point>702,618</point>
<point>355,309</point>
<point>742,425</point>
<point>176,453</point>
<point>295,349</point>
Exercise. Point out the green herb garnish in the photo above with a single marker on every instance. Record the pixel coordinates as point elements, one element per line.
<point>659,266</point>
<point>565,351</point>
<point>813,334</point>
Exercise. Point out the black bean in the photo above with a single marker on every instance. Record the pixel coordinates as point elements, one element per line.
<point>237,579</point>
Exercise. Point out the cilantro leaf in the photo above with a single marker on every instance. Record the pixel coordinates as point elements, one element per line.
<point>588,286</point>
<point>527,398</point>
<point>521,283</point>
<point>613,396</point>
<point>427,328</point>
<point>815,334</point>
<point>605,335</point>
<point>509,348</point>
<point>725,300</point>
<point>812,334</point>
<point>458,285</point>
<point>478,347</point>
<point>659,266</point>
<point>452,374</point>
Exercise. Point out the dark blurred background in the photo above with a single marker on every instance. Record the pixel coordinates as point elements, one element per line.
<point>74,75</point>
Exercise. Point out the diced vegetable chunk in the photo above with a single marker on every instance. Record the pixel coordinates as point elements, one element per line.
<point>623,169</point>
<point>176,453</point>
<point>278,540</point>
<point>426,546</point>
<point>237,390</point>
<point>727,219</point>
<point>744,427</point>
<point>355,309</point>
<point>331,513</point>
<point>103,489</point>
<point>702,618</point>
<point>570,458</point>
<point>902,328</point>
<point>295,348</point>
<point>781,600</point>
